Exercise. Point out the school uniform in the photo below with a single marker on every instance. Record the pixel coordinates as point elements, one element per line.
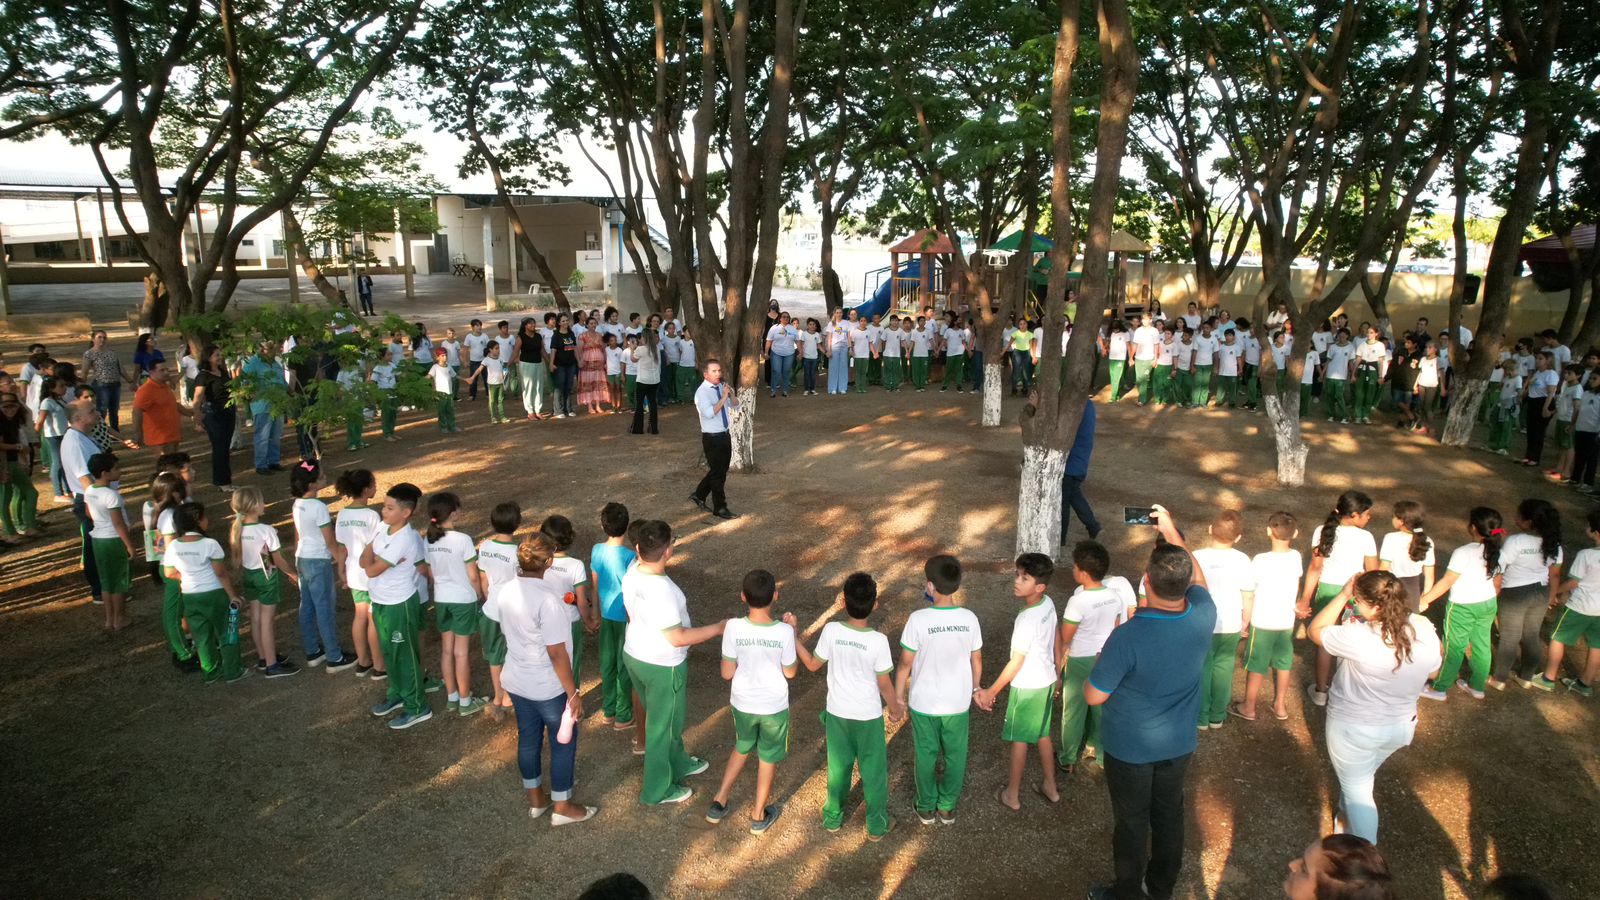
<point>860,353</point>
<point>397,613</point>
<point>1227,358</point>
<point>1144,341</point>
<point>1336,381</point>
<point>810,359</point>
<point>497,560</point>
<point>104,505</point>
<point>1229,577</point>
<point>1161,376</point>
<point>444,394</point>
<point>565,576</point>
<point>758,696</point>
<point>659,672</point>
<point>890,356</point>
<point>1369,362</point>
<point>1468,619</point>
<point>1205,352</point>
<point>1028,698</point>
<point>1308,379</point>
<point>1503,420</point>
<point>921,342</point>
<point>1182,371</point>
<point>1096,612</point>
<point>455,597</point>
<point>608,563</point>
<point>205,606</point>
<point>943,639</point>
<point>955,357</point>
<point>257,542</point>
<point>1116,362</point>
<point>1276,576</point>
<point>475,344</point>
<point>852,721</point>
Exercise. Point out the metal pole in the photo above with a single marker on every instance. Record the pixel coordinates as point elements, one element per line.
<point>488,260</point>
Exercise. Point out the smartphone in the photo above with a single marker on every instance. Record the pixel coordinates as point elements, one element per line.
<point>1138,515</point>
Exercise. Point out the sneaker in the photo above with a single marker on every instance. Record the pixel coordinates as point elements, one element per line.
<point>387,707</point>
<point>315,659</point>
<point>716,812</point>
<point>946,818</point>
<point>700,502</point>
<point>1541,683</point>
<point>407,720</point>
<point>281,669</point>
<point>1318,697</point>
<point>1462,683</point>
<point>432,685</point>
<point>192,664</point>
<point>1497,684</point>
<point>878,837</point>
<point>769,817</point>
<point>1428,693</point>
<point>363,671</point>
<point>926,818</point>
<point>696,766</point>
<point>243,674</point>
<point>342,664</point>
<point>1578,687</point>
<point>678,794</point>
<point>470,705</point>
<point>261,664</point>
<point>380,675</point>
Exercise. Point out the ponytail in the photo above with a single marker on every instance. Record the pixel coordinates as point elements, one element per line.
<point>1411,516</point>
<point>1350,503</point>
<point>1384,593</point>
<point>1486,522</point>
<point>441,507</point>
<point>1545,519</point>
<point>247,501</point>
<point>353,483</point>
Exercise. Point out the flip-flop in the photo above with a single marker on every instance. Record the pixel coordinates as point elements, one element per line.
<point>1233,710</point>
<point>1000,795</point>
<point>1282,718</point>
<point>1039,789</point>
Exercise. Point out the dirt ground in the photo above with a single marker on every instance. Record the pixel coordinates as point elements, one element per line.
<point>123,776</point>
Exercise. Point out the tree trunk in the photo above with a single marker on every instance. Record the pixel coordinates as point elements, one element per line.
<point>742,431</point>
<point>1466,395</point>
<point>157,303</point>
<point>993,376</point>
<point>295,245</point>
<point>1039,500</point>
<point>1208,287</point>
<point>1283,414</point>
<point>832,290</point>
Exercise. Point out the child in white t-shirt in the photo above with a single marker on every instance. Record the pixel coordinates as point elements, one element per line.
<point>1408,552</point>
<point>493,369</point>
<point>1030,674</point>
<point>1339,359</point>
<point>497,566</point>
<point>443,376</point>
<point>109,538</point>
<point>383,375</point>
<point>1098,604</point>
<point>1566,419</point>
<point>1579,621</point>
<point>614,367</point>
<point>941,665</point>
<point>258,553</point>
<point>570,578</point>
<point>758,658</point>
<point>1269,618</point>
<point>457,588</point>
<point>1503,419</point>
<point>859,690</point>
<point>452,352</point>
<point>1232,585</point>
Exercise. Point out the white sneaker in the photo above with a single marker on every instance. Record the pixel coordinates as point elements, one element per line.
<point>1428,693</point>
<point>1318,698</point>
<point>1462,683</point>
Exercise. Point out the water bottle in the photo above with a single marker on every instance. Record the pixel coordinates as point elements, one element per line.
<point>230,634</point>
<point>564,734</point>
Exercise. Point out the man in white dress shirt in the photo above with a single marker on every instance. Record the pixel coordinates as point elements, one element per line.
<point>713,400</point>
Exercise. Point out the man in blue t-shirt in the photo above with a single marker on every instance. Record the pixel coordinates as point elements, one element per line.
<point>1148,680</point>
<point>1072,499</point>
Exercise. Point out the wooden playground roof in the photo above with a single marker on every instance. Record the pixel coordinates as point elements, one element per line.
<point>927,240</point>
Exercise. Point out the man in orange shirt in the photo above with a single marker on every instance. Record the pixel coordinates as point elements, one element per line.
<point>155,412</point>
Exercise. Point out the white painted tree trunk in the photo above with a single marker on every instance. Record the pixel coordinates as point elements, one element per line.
<point>1039,500</point>
<point>992,382</point>
<point>1463,411</point>
<point>1285,421</point>
<point>742,431</point>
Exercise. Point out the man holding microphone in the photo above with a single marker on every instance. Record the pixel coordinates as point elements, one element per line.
<point>713,401</point>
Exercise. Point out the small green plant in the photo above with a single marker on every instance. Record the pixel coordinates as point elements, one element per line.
<point>577,280</point>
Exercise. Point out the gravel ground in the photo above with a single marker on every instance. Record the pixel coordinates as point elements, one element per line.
<point>124,777</point>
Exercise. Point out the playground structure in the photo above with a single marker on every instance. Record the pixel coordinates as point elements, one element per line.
<point>920,280</point>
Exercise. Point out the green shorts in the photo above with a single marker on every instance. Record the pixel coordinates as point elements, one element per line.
<point>614,380</point>
<point>1564,435</point>
<point>111,562</point>
<point>767,735</point>
<point>1573,626</point>
<point>262,586</point>
<point>360,598</point>
<point>457,618</point>
<point>1028,714</point>
<point>1325,593</point>
<point>493,641</point>
<point>1269,650</point>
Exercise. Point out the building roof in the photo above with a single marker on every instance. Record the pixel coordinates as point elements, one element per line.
<point>1549,249</point>
<point>1013,242</point>
<point>927,240</point>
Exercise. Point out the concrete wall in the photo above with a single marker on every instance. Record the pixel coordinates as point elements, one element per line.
<point>559,230</point>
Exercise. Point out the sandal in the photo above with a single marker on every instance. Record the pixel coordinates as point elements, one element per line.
<point>1235,710</point>
<point>1039,789</point>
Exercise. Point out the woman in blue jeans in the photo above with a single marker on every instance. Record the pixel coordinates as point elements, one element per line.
<point>564,350</point>
<point>102,368</point>
<point>836,340</point>
<point>538,676</point>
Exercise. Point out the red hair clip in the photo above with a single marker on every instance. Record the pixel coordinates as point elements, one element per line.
<point>1497,532</point>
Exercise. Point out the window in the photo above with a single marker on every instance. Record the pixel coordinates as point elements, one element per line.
<point>49,250</point>
<point>277,248</point>
<point>247,242</point>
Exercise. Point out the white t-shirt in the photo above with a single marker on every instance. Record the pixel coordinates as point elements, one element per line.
<point>1277,578</point>
<point>1543,385</point>
<point>1567,402</point>
<point>532,620</point>
<point>1428,372</point>
<point>943,639</point>
<point>955,344</point>
<point>613,361</point>
<point>1205,347</point>
<point>1229,576</point>
<point>891,342</point>
<point>257,542</point>
<point>856,657</point>
<point>1183,354</point>
<point>686,358</point>
<point>1585,598</point>
<point>1474,584</point>
<point>1034,635</point>
<point>1351,547</point>
<point>669,350</point>
<point>1096,613</point>
<point>353,528</point>
<point>448,558</point>
<point>193,561</point>
<point>1228,359</point>
<point>1144,340</point>
<point>808,341</point>
<point>310,515</point>
<point>444,378</point>
<point>921,339</point>
<point>104,504</point>
<point>783,339</point>
<point>1372,352</point>
<point>1588,412</point>
<point>655,605</point>
<point>383,376</point>
<point>1366,688</point>
<point>506,342</point>
<point>1117,346</point>
<point>494,370</point>
<point>761,652</point>
<point>860,343</point>
<point>1396,551</point>
<point>1252,350</point>
<point>497,560</point>
<point>475,344</point>
<point>1321,341</point>
<point>1193,321</point>
<point>403,551</point>
<point>1338,357</point>
<point>452,352</point>
<point>1313,359</point>
<point>1522,561</point>
<point>1164,351</point>
<point>565,575</point>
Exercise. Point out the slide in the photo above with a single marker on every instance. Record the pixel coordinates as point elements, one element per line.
<point>883,296</point>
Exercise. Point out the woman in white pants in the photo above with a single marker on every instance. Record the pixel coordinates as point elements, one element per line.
<point>1385,653</point>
